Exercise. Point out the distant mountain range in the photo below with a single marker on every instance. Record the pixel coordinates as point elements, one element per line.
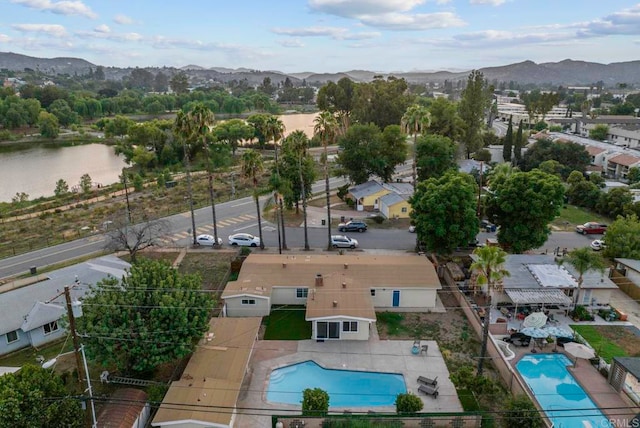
<point>567,72</point>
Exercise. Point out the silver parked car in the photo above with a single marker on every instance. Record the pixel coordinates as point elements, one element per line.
<point>244,240</point>
<point>341,241</point>
<point>207,240</point>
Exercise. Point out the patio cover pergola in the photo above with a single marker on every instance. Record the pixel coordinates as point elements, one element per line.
<point>539,297</point>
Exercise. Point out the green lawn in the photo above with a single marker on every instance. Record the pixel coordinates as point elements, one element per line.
<point>287,323</point>
<point>605,348</point>
<point>28,355</point>
<point>571,216</point>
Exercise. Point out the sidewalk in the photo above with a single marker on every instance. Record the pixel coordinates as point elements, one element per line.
<point>315,215</point>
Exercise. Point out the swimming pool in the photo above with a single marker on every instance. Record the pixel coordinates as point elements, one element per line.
<point>346,388</point>
<point>559,394</point>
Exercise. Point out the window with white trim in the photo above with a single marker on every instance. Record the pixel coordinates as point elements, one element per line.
<point>350,326</point>
<point>50,327</point>
<point>404,209</point>
<point>12,336</point>
<point>302,293</point>
<point>248,301</point>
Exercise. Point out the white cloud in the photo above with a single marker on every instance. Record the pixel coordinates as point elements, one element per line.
<point>50,29</point>
<point>4,38</point>
<point>335,33</point>
<point>388,14</point>
<point>489,2</point>
<point>355,8</point>
<point>108,35</point>
<point>122,20</point>
<point>103,28</point>
<point>291,43</point>
<point>65,7</point>
<point>405,22</point>
<point>625,22</point>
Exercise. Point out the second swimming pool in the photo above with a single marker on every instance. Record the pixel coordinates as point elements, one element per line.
<point>559,394</point>
<point>346,388</point>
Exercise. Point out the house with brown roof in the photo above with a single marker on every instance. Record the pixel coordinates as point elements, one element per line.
<point>341,292</point>
<point>207,392</point>
<point>618,166</point>
<point>126,408</point>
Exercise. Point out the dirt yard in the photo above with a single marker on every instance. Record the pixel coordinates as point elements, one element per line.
<point>451,330</point>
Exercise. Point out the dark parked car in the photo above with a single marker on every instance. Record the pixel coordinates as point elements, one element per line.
<point>352,226</point>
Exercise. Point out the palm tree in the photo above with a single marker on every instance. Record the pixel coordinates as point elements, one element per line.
<point>299,143</point>
<point>583,260</point>
<point>275,131</point>
<point>415,121</point>
<point>252,167</point>
<point>488,266</point>
<point>203,119</point>
<point>326,127</point>
<point>183,126</point>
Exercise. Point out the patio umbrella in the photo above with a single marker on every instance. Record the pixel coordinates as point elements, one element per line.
<point>535,319</point>
<point>579,350</point>
<point>557,332</point>
<point>535,332</point>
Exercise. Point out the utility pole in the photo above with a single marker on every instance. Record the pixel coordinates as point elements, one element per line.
<point>480,188</point>
<point>190,192</point>
<point>72,327</point>
<point>126,194</point>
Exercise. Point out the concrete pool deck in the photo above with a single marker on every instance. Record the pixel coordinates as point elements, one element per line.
<point>390,356</point>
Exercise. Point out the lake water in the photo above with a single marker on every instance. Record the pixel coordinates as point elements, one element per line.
<point>35,170</point>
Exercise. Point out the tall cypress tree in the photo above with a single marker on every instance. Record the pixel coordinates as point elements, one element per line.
<point>508,142</point>
<point>518,143</point>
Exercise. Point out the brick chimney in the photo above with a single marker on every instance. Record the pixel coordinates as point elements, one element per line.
<point>319,282</point>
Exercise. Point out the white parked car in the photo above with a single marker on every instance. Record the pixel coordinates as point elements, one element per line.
<point>244,240</point>
<point>341,241</point>
<point>207,240</point>
<point>412,229</point>
<point>598,244</point>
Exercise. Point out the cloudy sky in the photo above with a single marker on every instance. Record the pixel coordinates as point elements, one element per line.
<point>323,35</point>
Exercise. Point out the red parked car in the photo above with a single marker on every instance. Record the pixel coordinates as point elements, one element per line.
<point>591,227</point>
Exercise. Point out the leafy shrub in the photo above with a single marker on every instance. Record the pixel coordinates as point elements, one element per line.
<point>378,219</point>
<point>342,191</point>
<point>408,403</point>
<point>521,412</point>
<point>245,251</point>
<point>315,402</point>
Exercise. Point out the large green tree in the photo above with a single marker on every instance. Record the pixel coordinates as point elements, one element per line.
<point>444,212</point>
<point>381,101</point>
<point>582,192</point>
<point>583,260</point>
<point>48,124</point>
<point>233,131</point>
<point>599,132</point>
<point>252,166</point>
<point>150,316</point>
<point>523,204</point>
<point>415,121</point>
<point>436,155</point>
<point>488,266</point>
<point>623,238</point>
<point>445,119</point>
<point>507,144</point>
<point>338,98</point>
<point>572,156</point>
<point>326,128</point>
<point>518,143</point>
<point>35,397</point>
<point>366,152</point>
<point>615,202</point>
<point>298,169</point>
<point>475,101</point>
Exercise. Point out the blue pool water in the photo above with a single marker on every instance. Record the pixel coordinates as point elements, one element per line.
<point>559,394</point>
<point>346,388</point>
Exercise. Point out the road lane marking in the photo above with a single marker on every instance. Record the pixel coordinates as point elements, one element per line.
<point>246,227</point>
<point>244,203</point>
